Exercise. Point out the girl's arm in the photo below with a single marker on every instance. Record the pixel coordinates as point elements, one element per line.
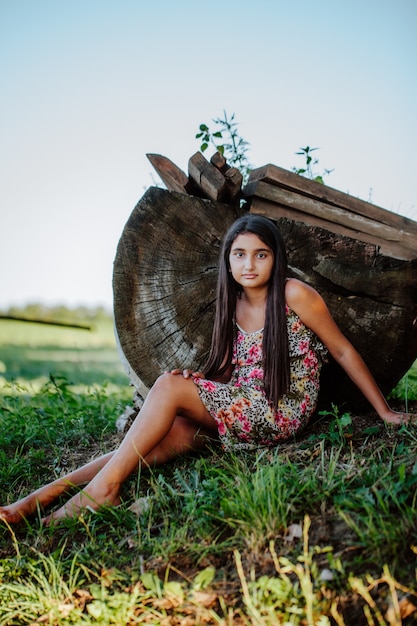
<point>312,310</point>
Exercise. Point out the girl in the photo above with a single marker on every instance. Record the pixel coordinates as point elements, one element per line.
<point>259,386</point>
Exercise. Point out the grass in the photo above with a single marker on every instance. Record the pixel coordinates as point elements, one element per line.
<point>321,531</point>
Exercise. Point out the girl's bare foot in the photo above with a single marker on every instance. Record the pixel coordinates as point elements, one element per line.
<point>20,510</point>
<point>91,499</point>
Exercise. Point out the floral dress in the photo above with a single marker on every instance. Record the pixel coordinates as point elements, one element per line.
<point>244,417</point>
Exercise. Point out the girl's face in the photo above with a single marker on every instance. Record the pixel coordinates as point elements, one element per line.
<point>251,261</point>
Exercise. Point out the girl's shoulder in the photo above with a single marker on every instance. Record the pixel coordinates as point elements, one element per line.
<point>308,304</point>
<point>296,291</point>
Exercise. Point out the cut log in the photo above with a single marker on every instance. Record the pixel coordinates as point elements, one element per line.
<point>164,282</point>
<point>164,291</point>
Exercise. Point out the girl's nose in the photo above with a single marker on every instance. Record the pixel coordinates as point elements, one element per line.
<point>248,263</point>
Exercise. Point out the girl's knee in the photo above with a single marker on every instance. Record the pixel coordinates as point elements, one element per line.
<point>168,382</point>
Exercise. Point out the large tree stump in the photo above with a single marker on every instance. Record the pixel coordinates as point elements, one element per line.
<point>164,284</point>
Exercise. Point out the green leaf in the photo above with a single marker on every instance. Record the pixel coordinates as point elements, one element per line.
<point>346,420</point>
<point>371,430</point>
<point>151,582</point>
<point>217,134</point>
<point>401,472</point>
<point>204,147</point>
<point>204,578</point>
<point>204,128</point>
<point>96,609</point>
<point>174,589</point>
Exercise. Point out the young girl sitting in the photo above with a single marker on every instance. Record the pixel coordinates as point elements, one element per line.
<point>259,386</point>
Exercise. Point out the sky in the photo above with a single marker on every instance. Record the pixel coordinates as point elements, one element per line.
<point>89,87</point>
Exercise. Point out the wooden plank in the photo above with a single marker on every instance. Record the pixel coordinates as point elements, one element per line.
<point>171,175</point>
<point>333,214</point>
<point>278,176</point>
<point>220,162</point>
<point>233,177</point>
<point>207,177</point>
<point>276,211</point>
<point>234,180</point>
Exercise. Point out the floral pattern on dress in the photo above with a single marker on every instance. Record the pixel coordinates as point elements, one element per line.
<point>244,417</point>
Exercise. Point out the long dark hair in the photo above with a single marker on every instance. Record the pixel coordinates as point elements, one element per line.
<point>275,337</point>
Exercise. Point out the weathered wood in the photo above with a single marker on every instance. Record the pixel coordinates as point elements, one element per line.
<point>215,180</point>
<point>280,177</point>
<point>274,202</point>
<point>171,175</point>
<point>233,176</point>
<point>233,184</point>
<point>373,299</point>
<point>164,291</point>
<point>207,177</point>
<point>164,282</point>
<point>276,212</point>
<point>220,162</point>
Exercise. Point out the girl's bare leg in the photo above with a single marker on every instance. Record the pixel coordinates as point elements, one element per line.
<point>171,397</point>
<point>27,506</point>
<point>158,421</point>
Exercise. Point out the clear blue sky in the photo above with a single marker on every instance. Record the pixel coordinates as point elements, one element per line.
<point>90,86</point>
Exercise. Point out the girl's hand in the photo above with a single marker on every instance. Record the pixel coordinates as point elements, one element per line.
<point>187,373</point>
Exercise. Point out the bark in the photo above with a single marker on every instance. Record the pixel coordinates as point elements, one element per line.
<point>164,285</point>
<point>164,282</point>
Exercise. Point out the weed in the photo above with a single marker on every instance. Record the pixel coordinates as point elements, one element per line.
<point>310,162</point>
<point>340,428</point>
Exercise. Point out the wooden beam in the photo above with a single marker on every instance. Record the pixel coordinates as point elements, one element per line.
<point>280,177</point>
<point>332,214</point>
<point>276,212</point>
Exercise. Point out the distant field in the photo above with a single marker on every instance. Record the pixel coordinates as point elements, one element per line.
<point>31,352</point>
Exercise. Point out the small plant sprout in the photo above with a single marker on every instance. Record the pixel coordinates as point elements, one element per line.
<point>227,141</point>
<point>308,170</point>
